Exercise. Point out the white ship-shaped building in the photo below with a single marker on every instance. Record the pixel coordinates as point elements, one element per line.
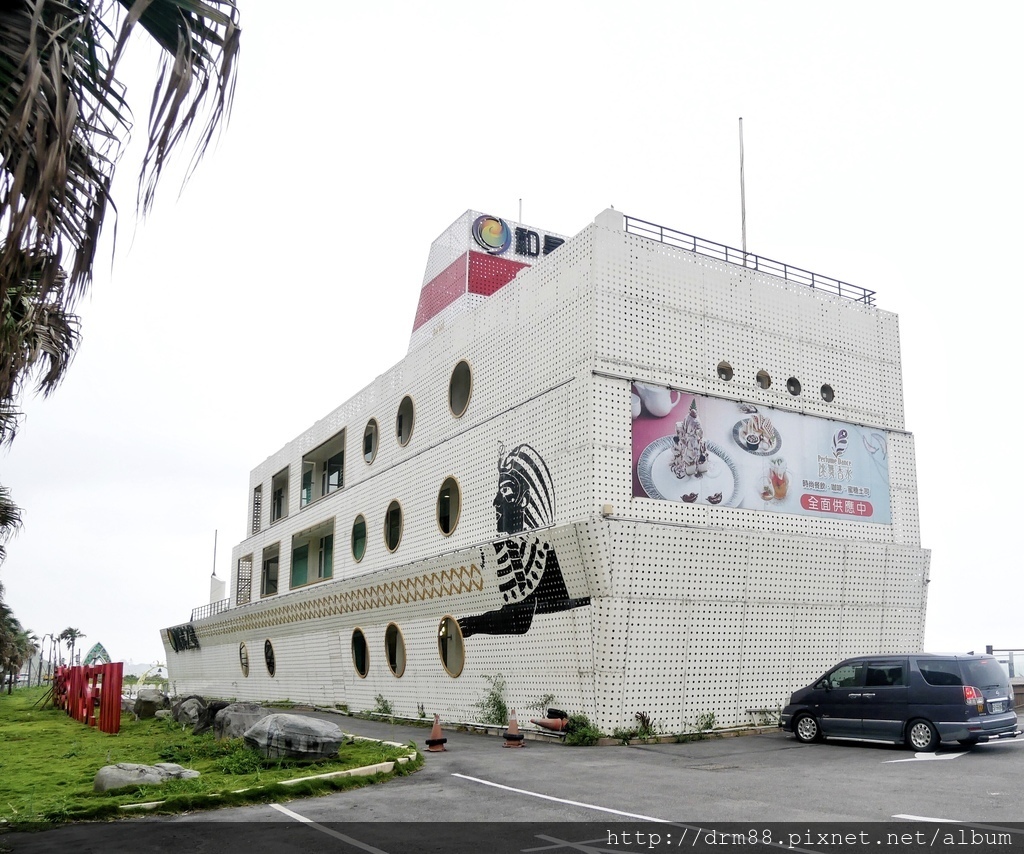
<point>630,470</point>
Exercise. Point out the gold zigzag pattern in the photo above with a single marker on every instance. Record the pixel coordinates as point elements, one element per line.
<point>435,585</point>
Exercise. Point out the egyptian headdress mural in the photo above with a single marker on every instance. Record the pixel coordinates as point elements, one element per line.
<point>529,577</point>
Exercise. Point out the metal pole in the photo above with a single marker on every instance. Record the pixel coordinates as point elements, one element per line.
<point>743,197</point>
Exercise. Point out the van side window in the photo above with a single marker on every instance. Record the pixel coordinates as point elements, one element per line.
<point>940,672</point>
<point>845,676</point>
<point>883,675</point>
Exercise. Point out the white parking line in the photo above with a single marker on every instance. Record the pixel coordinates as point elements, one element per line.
<point>347,839</point>
<point>906,817</point>
<point>563,800</point>
<point>924,757</point>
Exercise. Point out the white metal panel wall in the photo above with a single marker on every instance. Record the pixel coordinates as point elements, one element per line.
<point>695,609</point>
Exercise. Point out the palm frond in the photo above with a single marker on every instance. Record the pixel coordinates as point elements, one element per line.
<point>10,523</point>
<point>64,117</point>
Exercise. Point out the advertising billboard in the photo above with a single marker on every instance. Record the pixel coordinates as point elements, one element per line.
<point>707,450</point>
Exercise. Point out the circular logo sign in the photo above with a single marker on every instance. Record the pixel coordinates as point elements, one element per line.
<point>492,234</point>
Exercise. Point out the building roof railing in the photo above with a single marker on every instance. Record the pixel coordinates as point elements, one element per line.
<point>209,610</point>
<point>721,252</point>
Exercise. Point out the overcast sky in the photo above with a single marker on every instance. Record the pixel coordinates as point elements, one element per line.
<point>882,148</point>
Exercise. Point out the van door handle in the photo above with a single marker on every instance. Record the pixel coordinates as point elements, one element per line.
<point>865,695</point>
<point>853,696</point>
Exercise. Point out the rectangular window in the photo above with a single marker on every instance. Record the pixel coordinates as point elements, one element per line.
<point>279,496</point>
<point>335,471</point>
<point>307,484</point>
<point>268,578</point>
<point>323,469</point>
<point>257,509</point>
<point>325,557</point>
<point>300,566</point>
<point>243,583</point>
<point>313,554</point>
<point>883,675</point>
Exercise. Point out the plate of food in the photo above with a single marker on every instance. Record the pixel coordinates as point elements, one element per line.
<point>757,435</point>
<point>717,484</point>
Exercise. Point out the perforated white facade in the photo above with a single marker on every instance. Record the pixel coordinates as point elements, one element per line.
<point>555,572</point>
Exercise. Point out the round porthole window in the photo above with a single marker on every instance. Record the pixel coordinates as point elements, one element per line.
<point>394,649</point>
<point>243,659</point>
<point>359,538</point>
<point>763,380</point>
<point>724,371</point>
<point>827,393</point>
<point>793,386</point>
<point>451,646</point>
<point>404,421</point>
<point>370,436</point>
<point>449,504</point>
<point>393,526</point>
<point>268,657</point>
<point>360,654</point>
<point>460,387</point>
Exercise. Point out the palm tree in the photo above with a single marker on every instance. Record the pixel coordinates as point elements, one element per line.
<point>64,121</point>
<point>70,636</point>
<point>16,644</point>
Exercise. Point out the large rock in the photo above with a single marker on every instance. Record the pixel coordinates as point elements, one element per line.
<point>148,701</point>
<point>129,774</point>
<point>233,720</point>
<point>189,711</point>
<point>197,712</point>
<point>295,737</point>
<point>213,708</point>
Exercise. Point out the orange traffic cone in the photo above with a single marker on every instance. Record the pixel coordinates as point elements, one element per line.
<point>513,737</point>
<point>555,724</point>
<point>435,744</point>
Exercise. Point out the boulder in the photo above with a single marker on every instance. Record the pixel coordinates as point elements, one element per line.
<point>209,716</point>
<point>178,702</point>
<point>189,711</point>
<point>148,701</point>
<point>234,719</point>
<point>295,737</point>
<point>164,714</point>
<point>129,774</point>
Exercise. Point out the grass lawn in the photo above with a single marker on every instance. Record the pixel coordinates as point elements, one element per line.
<point>48,762</point>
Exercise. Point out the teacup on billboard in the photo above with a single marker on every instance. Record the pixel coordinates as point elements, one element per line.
<point>657,400</point>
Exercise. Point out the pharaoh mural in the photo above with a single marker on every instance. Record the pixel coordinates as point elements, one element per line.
<point>529,577</point>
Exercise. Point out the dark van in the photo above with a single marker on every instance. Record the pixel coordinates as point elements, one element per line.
<point>917,700</point>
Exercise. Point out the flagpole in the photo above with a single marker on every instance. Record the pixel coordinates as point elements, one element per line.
<point>743,197</point>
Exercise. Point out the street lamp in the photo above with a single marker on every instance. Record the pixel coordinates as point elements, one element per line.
<point>42,649</point>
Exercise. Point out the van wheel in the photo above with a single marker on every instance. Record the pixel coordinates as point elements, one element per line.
<point>922,736</point>
<point>806,729</point>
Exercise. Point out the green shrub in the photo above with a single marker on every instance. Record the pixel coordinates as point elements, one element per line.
<point>493,708</point>
<point>646,731</point>
<point>580,732</point>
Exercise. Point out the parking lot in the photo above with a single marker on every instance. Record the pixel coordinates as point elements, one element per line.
<point>752,780</point>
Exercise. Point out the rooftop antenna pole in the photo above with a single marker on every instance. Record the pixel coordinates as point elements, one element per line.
<point>215,551</point>
<point>520,211</point>
<point>743,197</point>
